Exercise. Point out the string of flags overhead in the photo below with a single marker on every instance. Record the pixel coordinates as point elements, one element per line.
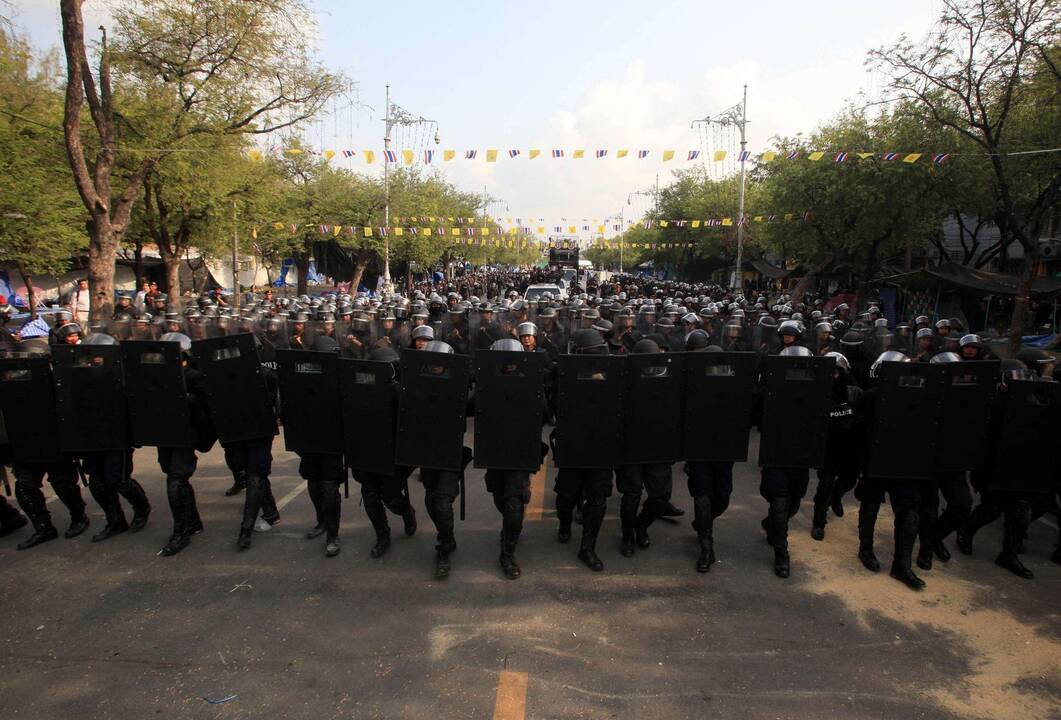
<point>428,157</point>
<point>445,226</point>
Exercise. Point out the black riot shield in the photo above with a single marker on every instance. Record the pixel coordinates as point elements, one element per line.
<point>652,426</point>
<point>971,388</point>
<point>370,415</point>
<point>27,400</point>
<point>236,391</point>
<point>431,410</point>
<point>589,412</point>
<point>158,401</point>
<point>509,402</point>
<point>309,401</point>
<point>905,435</point>
<point>89,399</point>
<point>718,405</point>
<point>795,411</point>
<point>1027,456</point>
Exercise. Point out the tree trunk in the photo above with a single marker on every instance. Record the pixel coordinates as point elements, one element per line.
<point>102,250</point>
<point>31,295</point>
<point>302,269</point>
<point>172,265</point>
<point>807,280</point>
<point>1021,299</point>
<point>138,263</point>
<point>359,271</point>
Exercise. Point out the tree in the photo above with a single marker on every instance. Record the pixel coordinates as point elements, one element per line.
<point>855,216</point>
<point>209,67</point>
<point>39,211</point>
<point>989,71</point>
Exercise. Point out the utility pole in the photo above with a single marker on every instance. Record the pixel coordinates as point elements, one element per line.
<point>738,117</point>
<point>235,259</point>
<point>394,116</point>
<point>654,194</point>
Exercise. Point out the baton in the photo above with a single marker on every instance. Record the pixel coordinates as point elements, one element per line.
<point>7,483</point>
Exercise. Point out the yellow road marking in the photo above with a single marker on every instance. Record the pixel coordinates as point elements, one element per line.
<point>536,506</point>
<point>511,703</point>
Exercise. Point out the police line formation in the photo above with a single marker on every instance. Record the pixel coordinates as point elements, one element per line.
<point>632,383</point>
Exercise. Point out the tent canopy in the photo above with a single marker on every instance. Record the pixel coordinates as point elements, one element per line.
<point>979,282</point>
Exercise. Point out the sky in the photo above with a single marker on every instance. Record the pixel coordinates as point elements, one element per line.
<point>580,74</point>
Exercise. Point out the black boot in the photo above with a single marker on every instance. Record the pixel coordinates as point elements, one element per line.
<point>40,535</point>
<point>782,562</point>
<point>627,544</point>
<point>508,558</point>
<point>442,562</point>
<point>174,545</point>
<point>905,535</point>
<point>110,531</point>
<point>383,541</point>
<point>409,520</point>
<point>563,533</point>
<point>1011,561</point>
<point>837,505</point>
<point>867,524</point>
<point>964,540</point>
<point>707,552</point>
<point>641,535</point>
<point>817,530</point>
<point>315,532</point>
<point>940,550</point>
<point>592,518</point>
<point>332,546</point>
<point>672,511</point>
<point>239,484</point>
<point>243,542</point>
<point>924,556</point>
<point>77,526</point>
<point>1018,517</point>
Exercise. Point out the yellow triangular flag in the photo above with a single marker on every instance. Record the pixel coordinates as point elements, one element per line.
<point>425,231</point>
<point>336,230</point>
<point>863,156</point>
<point>491,156</point>
<point>600,229</point>
<point>398,231</point>
<point>719,155</point>
<point>571,229</point>
<point>447,155</point>
<point>696,223</point>
<point>541,231</point>
<point>254,233</point>
<point>758,218</point>
<point>577,153</point>
<point>727,221</point>
<point>663,223</point>
<point>370,157</point>
<point>255,155</point>
<point>278,226</point>
<point>455,231</point>
<point>368,232</point>
<point>621,153</point>
<point>329,154</point>
<point>668,155</point>
<point>912,158</point>
<point>484,231</point>
<point>534,153</point>
<point>407,156</point>
<point>817,155</point>
<point>768,156</point>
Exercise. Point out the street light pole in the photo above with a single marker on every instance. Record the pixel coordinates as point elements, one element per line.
<point>737,116</point>
<point>394,116</point>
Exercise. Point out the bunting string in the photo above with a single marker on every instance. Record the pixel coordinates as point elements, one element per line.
<point>430,157</point>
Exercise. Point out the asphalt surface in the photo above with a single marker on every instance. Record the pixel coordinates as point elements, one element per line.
<point>110,630</point>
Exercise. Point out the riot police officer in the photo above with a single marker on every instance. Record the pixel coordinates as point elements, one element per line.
<point>593,486</point>
<point>840,472</point>
<point>653,478</point>
<point>379,492</point>
<point>179,463</point>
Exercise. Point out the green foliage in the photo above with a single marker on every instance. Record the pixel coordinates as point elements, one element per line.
<point>41,217</point>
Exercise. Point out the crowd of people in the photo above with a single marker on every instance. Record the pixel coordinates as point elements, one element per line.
<point>485,311</point>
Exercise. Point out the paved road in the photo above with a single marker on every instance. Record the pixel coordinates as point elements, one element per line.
<point>112,631</point>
